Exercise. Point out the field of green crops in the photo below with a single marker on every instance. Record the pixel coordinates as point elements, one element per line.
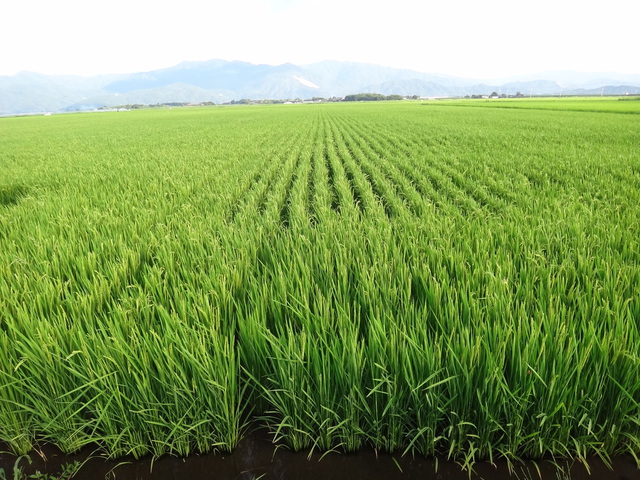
<point>630,104</point>
<point>420,278</point>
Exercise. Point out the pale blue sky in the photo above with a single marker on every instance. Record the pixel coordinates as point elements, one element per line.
<point>488,39</point>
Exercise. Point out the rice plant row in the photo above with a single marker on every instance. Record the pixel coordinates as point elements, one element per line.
<point>417,278</point>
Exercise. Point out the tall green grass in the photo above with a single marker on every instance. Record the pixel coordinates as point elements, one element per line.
<point>420,279</point>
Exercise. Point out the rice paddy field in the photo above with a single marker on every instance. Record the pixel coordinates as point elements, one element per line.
<point>427,278</point>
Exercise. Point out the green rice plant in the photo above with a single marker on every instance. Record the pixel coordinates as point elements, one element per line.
<point>442,279</point>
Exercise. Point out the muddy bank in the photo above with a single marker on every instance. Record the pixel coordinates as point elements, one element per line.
<point>255,458</point>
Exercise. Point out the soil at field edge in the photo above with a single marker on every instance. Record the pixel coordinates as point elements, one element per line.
<point>255,457</point>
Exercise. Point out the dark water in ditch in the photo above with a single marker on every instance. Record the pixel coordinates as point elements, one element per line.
<point>255,457</point>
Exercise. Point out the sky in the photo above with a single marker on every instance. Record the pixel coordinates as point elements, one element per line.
<point>468,38</point>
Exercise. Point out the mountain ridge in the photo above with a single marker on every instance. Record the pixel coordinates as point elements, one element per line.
<point>221,81</point>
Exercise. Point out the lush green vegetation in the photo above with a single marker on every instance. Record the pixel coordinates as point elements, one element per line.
<point>413,277</point>
<point>578,104</point>
<point>370,97</point>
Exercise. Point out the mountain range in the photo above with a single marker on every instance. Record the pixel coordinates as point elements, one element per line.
<point>221,81</point>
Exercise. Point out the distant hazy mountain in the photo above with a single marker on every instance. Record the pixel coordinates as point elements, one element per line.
<point>573,79</point>
<point>221,81</point>
<point>34,92</point>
